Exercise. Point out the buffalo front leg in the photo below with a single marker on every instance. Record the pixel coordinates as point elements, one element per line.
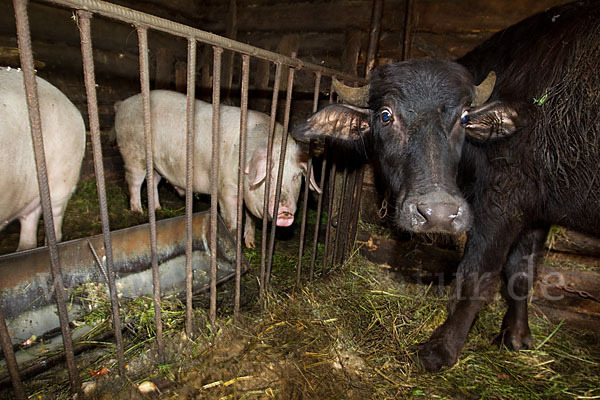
<point>477,274</point>
<point>518,276</point>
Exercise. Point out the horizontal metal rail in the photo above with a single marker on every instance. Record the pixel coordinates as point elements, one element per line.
<point>138,18</point>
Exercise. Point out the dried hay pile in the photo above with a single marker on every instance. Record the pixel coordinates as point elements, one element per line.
<point>350,334</point>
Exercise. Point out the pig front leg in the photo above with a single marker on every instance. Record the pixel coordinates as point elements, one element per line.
<point>228,206</point>
<point>249,231</point>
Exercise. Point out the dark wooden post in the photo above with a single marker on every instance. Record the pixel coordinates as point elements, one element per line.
<point>164,68</point>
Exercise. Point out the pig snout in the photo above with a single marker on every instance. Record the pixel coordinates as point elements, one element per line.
<point>285,217</point>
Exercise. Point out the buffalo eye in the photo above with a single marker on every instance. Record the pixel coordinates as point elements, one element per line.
<point>464,118</point>
<point>386,116</point>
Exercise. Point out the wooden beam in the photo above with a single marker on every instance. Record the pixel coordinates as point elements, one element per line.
<point>288,45</point>
<point>228,56</point>
<point>164,68</point>
<point>351,51</point>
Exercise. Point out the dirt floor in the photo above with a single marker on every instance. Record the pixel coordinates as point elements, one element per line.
<point>351,333</point>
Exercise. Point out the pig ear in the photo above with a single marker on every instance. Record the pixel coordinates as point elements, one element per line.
<point>257,168</point>
<point>492,121</point>
<point>340,121</point>
<point>313,185</point>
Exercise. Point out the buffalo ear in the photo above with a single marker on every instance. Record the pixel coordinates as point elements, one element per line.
<point>339,121</point>
<point>493,121</point>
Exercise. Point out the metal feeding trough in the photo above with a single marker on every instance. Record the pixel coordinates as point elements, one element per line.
<point>26,289</point>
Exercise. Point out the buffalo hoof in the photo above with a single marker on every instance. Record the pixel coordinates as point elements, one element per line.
<point>515,340</point>
<point>434,355</point>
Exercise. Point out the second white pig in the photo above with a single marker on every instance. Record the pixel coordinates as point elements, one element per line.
<point>168,111</point>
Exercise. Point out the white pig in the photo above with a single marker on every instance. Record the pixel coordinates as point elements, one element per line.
<point>63,132</point>
<point>168,110</point>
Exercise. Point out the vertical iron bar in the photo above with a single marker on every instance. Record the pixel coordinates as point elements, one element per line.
<point>348,217</point>
<point>330,217</point>
<point>189,180</point>
<point>284,138</point>
<point>320,199</point>
<point>330,204</point>
<point>145,85</point>
<point>274,101</point>
<point>360,174</point>
<point>241,179</point>
<point>90,87</point>
<point>319,211</point>
<point>309,168</point>
<point>26,55</point>
<point>214,176</point>
<point>303,224</point>
<point>11,361</point>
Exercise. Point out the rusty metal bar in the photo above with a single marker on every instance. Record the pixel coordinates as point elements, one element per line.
<point>303,223</point>
<point>330,204</point>
<point>320,199</point>
<point>346,215</point>
<point>214,176</point>
<point>309,168</point>
<point>241,180</point>
<point>318,223</point>
<point>330,216</point>
<point>26,56</point>
<point>189,179</point>
<point>160,24</point>
<point>145,85</point>
<point>274,101</point>
<point>11,361</point>
<point>92,102</point>
<point>284,139</point>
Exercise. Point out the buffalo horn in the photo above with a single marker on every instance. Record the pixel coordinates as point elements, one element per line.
<point>355,96</point>
<point>483,91</point>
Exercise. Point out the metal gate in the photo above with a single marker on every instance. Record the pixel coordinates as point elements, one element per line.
<point>343,215</point>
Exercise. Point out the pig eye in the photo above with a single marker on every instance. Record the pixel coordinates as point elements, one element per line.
<point>386,116</point>
<point>464,118</point>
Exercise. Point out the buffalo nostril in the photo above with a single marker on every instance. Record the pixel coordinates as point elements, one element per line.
<point>458,214</point>
<point>439,213</point>
<point>418,218</point>
<point>435,212</point>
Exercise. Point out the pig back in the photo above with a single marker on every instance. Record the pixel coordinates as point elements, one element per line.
<point>168,119</point>
<point>63,133</point>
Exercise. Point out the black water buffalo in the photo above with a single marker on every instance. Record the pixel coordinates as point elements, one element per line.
<point>503,168</point>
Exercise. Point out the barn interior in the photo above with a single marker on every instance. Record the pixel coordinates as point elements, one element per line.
<point>264,352</point>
